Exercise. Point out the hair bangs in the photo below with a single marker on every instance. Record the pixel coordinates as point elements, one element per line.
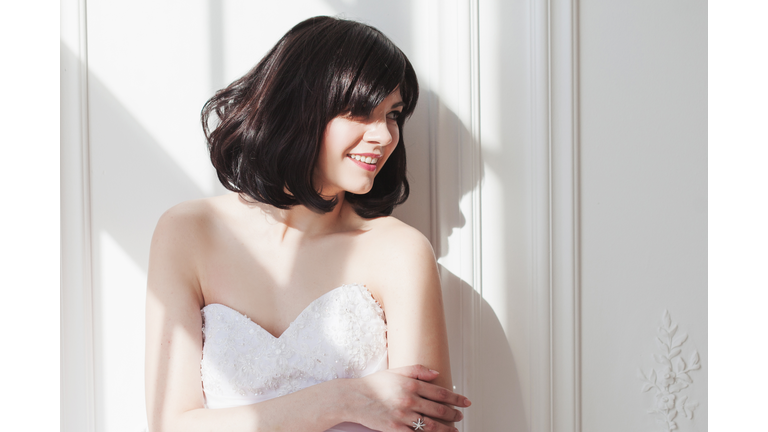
<point>376,70</point>
<point>374,83</point>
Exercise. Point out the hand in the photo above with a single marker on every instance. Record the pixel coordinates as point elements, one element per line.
<point>393,399</point>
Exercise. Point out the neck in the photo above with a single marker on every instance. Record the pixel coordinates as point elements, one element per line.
<point>305,222</point>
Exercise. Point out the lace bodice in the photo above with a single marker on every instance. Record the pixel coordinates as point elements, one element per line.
<point>341,334</point>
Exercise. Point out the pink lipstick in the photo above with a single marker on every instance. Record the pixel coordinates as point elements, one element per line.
<point>363,165</point>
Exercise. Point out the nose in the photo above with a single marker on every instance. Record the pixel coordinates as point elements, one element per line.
<point>378,133</point>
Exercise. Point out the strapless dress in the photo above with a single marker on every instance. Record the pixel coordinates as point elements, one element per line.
<point>341,334</point>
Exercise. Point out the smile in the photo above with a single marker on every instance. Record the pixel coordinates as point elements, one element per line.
<point>365,162</point>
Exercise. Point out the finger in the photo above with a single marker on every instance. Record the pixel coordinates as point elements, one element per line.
<point>418,372</point>
<point>443,395</point>
<point>430,425</point>
<point>438,411</point>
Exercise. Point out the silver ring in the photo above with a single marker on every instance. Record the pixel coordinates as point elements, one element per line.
<point>418,425</point>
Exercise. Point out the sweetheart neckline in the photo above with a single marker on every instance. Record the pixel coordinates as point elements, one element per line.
<point>363,287</point>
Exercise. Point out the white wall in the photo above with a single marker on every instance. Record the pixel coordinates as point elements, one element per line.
<point>556,160</point>
<point>644,203</point>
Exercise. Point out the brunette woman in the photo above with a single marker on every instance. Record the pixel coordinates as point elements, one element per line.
<point>311,308</point>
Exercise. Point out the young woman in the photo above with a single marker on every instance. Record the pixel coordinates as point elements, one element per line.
<point>310,307</point>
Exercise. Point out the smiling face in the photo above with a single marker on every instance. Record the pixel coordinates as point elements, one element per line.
<point>354,149</point>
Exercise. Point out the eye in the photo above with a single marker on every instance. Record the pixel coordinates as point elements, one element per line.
<point>394,115</point>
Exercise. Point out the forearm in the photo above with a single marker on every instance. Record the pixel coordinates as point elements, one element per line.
<point>316,408</point>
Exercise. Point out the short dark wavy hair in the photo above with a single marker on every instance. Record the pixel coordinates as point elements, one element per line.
<point>271,122</point>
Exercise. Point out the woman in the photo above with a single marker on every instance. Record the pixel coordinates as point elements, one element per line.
<point>305,248</point>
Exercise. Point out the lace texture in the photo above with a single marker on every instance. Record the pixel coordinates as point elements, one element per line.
<point>341,334</point>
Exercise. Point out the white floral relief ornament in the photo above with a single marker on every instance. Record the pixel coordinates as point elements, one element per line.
<point>672,378</point>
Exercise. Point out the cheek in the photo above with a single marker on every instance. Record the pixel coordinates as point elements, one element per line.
<point>331,142</point>
<point>340,135</point>
<point>395,133</point>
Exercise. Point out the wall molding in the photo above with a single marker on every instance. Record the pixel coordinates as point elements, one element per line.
<point>77,332</point>
<point>555,389</point>
<point>472,169</point>
<point>555,344</point>
<point>566,335</point>
<point>452,77</point>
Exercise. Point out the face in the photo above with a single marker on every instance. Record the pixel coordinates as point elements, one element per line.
<point>354,150</point>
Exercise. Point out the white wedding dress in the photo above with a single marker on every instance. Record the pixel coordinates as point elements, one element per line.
<point>341,334</point>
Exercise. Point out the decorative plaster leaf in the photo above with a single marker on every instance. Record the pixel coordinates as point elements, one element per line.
<point>679,341</point>
<point>688,409</point>
<point>671,380</point>
<point>685,377</point>
<point>694,359</point>
<point>662,345</point>
<point>680,365</point>
<point>666,319</point>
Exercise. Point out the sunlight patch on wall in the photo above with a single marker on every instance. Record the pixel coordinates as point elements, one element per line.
<point>122,293</point>
<point>153,58</point>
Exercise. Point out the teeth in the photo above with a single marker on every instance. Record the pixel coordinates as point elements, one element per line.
<point>365,159</point>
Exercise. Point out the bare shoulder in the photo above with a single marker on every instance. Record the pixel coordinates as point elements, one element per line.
<point>181,237</point>
<point>183,223</point>
<point>192,220</point>
<point>399,240</point>
<point>404,262</point>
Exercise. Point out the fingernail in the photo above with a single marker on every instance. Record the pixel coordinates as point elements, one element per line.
<point>434,371</point>
<point>467,402</point>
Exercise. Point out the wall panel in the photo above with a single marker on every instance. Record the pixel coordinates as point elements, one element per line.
<point>644,202</point>
<point>557,163</point>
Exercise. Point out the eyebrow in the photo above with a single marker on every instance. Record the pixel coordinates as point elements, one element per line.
<point>398,105</point>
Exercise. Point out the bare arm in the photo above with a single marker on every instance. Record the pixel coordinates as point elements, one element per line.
<point>174,394</point>
<point>416,330</point>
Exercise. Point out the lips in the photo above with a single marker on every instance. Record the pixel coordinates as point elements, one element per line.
<point>366,161</point>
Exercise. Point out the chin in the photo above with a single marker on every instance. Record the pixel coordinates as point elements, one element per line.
<point>360,190</point>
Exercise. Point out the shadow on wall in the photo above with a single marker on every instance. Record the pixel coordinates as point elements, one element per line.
<point>500,406</point>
